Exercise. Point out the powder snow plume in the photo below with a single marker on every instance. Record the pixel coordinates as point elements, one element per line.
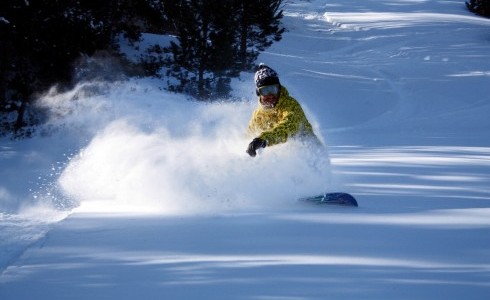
<point>148,150</point>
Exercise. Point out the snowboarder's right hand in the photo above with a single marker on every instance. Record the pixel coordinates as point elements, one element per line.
<point>256,144</point>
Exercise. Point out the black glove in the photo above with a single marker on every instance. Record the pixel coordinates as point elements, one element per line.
<point>257,143</point>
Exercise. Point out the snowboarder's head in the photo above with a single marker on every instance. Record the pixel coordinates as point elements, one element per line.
<point>267,86</point>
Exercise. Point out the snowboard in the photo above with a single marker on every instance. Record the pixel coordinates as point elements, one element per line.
<point>342,199</point>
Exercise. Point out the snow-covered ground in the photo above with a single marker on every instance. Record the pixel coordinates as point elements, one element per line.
<point>143,194</point>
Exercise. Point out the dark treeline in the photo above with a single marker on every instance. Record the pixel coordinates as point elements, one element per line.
<point>42,42</point>
<point>218,39</point>
<point>479,7</point>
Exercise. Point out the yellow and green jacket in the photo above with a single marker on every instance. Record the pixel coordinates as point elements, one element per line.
<point>285,120</point>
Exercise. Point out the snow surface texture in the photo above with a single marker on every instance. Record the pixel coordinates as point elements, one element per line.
<point>142,194</point>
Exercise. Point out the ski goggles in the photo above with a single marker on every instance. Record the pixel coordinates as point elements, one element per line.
<point>269,90</point>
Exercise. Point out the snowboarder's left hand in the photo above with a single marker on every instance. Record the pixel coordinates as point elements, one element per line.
<point>256,144</point>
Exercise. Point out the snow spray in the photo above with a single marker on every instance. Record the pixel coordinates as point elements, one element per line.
<point>151,151</point>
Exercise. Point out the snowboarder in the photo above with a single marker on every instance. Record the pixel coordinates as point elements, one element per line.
<point>278,116</point>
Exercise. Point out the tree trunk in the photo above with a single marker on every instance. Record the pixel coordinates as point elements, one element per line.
<point>203,56</point>
<point>19,123</point>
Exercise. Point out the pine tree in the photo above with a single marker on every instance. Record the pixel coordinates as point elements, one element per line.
<point>480,7</point>
<point>259,27</point>
<point>187,62</point>
<point>216,40</point>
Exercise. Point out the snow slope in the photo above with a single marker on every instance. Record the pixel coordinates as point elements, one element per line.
<point>143,194</point>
